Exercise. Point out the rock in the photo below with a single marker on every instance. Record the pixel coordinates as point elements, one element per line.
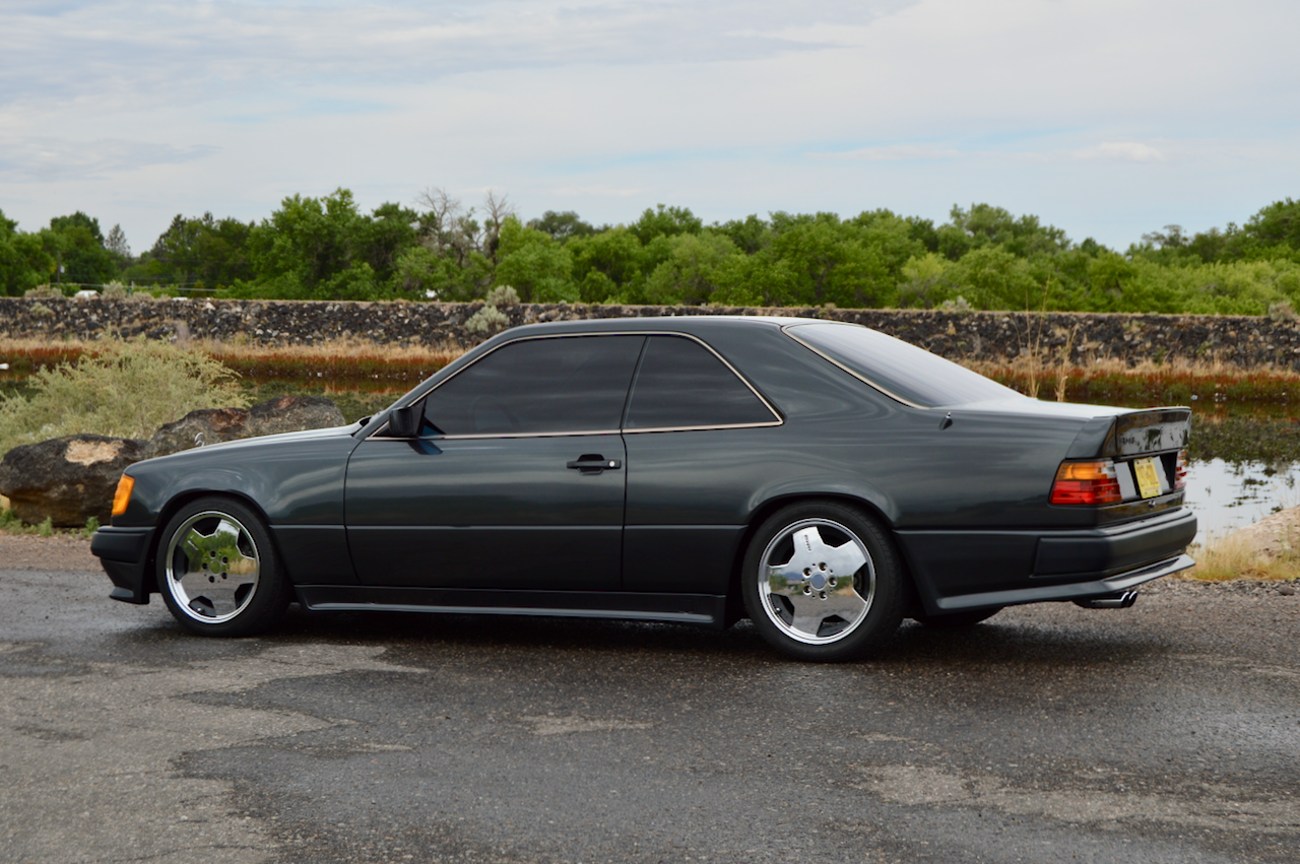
<point>71,479</point>
<point>293,414</point>
<point>213,425</point>
<point>205,426</point>
<point>68,479</point>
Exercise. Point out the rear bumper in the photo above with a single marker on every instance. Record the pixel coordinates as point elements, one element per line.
<point>972,569</point>
<point>124,552</point>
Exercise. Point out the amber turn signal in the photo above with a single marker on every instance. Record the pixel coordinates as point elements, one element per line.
<point>1091,482</point>
<point>122,496</point>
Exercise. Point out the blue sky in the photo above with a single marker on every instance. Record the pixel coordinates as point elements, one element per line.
<point>1106,119</point>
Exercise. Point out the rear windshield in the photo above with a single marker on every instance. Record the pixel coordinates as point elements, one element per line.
<point>900,369</point>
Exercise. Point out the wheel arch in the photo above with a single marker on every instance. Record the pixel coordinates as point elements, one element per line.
<point>734,605</point>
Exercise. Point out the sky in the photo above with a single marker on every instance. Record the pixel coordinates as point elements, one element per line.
<point>1106,118</point>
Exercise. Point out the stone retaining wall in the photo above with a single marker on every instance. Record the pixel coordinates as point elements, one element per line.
<point>1241,341</point>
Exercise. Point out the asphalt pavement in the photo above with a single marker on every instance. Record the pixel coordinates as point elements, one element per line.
<point>1169,732</point>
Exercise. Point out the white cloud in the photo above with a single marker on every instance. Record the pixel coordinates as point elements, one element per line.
<point>606,106</point>
<point>1125,151</point>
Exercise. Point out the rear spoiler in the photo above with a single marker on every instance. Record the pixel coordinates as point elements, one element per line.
<point>1131,433</point>
<point>1155,430</point>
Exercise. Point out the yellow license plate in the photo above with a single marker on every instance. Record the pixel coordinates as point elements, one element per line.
<point>1148,477</point>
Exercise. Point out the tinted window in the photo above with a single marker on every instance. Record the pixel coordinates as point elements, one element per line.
<point>568,384</point>
<point>900,368</point>
<point>681,383</point>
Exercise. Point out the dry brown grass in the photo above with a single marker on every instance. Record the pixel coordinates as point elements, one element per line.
<point>339,359</point>
<point>1237,557</point>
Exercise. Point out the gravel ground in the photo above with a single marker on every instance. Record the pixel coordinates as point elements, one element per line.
<point>32,552</point>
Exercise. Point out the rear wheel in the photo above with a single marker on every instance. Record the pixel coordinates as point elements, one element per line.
<point>952,620</point>
<point>217,570</point>
<point>821,581</point>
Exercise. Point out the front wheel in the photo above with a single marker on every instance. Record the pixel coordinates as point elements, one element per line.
<point>217,570</point>
<point>822,581</point>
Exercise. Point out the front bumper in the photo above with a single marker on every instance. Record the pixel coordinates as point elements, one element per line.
<point>124,552</point>
<point>958,570</point>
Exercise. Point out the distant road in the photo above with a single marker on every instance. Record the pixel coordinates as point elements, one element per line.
<point>1169,732</point>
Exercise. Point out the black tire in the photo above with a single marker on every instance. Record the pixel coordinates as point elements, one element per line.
<point>955,620</point>
<point>218,571</point>
<point>808,610</point>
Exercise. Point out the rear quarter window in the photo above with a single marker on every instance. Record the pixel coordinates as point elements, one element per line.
<point>680,384</point>
<point>897,368</point>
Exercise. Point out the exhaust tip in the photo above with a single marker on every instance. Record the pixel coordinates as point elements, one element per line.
<point>1122,600</point>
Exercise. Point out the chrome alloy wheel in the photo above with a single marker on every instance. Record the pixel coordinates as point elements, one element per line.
<point>816,581</point>
<point>212,567</point>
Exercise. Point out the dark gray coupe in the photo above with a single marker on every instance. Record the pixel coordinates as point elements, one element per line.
<point>824,480</point>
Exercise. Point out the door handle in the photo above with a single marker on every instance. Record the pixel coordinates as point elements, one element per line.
<point>594,463</point>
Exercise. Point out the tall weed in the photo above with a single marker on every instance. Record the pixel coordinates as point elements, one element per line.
<point>124,389</point>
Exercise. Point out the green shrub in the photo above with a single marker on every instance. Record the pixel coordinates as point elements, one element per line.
<point>487,321</point>
<point>44,292</point>
<point>502,296</point>
<point>126,389</point>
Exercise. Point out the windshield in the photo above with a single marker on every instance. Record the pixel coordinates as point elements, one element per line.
<point>900,369</point>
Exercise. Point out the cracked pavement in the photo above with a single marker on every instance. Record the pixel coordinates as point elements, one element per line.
<point>1169,732</point>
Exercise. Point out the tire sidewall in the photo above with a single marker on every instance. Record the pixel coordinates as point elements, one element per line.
<point>885,612</point>
<point>270,595</point>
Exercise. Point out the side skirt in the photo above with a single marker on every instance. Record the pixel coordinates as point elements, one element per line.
<point>706,609</point>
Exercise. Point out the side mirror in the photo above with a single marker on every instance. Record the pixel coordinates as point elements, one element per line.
<point>405,422</point>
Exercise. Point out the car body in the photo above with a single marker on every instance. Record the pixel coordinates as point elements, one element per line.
<point>823,479</point>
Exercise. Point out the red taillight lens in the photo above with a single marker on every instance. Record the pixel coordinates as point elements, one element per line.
<point>1091,482</point>
<point>1180,471</point>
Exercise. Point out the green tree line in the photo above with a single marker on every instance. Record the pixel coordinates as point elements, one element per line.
<point>982,257</point>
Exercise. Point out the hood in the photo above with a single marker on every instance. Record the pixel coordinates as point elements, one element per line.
<point>263,441</point>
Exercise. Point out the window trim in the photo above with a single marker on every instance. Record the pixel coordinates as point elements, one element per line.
<point>777,418</point>
<point>858,375</point>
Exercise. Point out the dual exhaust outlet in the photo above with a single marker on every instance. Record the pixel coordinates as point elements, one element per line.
<point>1122,600</point>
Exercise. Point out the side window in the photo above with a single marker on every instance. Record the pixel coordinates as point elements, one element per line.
<point>555,385</point>
<point>683,384</point>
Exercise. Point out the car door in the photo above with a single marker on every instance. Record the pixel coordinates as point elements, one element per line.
<point>516,481</point>
<point>700,441</point>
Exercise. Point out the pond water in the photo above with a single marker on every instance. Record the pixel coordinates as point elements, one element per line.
<point>1227,495</point>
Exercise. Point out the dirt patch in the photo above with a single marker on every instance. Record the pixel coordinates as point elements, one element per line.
<point>60,552</point>
<point>1277,534</point>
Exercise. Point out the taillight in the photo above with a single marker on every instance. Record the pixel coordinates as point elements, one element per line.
<point>1180,471</point>
<point>1092,482</point>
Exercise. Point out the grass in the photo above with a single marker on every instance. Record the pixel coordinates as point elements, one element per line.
<point>123,389</point>
<point>1239,557</point>
<point>1206,384</point>
<point>11,524</point>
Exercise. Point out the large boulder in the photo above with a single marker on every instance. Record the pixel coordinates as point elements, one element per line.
<point>68,479</point>
<point>214,425</point>
<point>71,479</point>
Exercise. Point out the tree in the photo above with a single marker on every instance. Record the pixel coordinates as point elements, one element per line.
<point>116,243</point>
<point>24,263</point>
<point>307,244</point>
<point>693,269</point>
<point>665,222</point>
<point>562,226</point>
<point>617,256</point>
<point>1277,225</point>
<point>77,246</point>
<point>534,264</point>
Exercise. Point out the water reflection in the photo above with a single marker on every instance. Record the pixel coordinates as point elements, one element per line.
<point>1230,495</point>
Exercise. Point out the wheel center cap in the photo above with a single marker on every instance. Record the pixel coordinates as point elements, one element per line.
<point>819,581</point>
